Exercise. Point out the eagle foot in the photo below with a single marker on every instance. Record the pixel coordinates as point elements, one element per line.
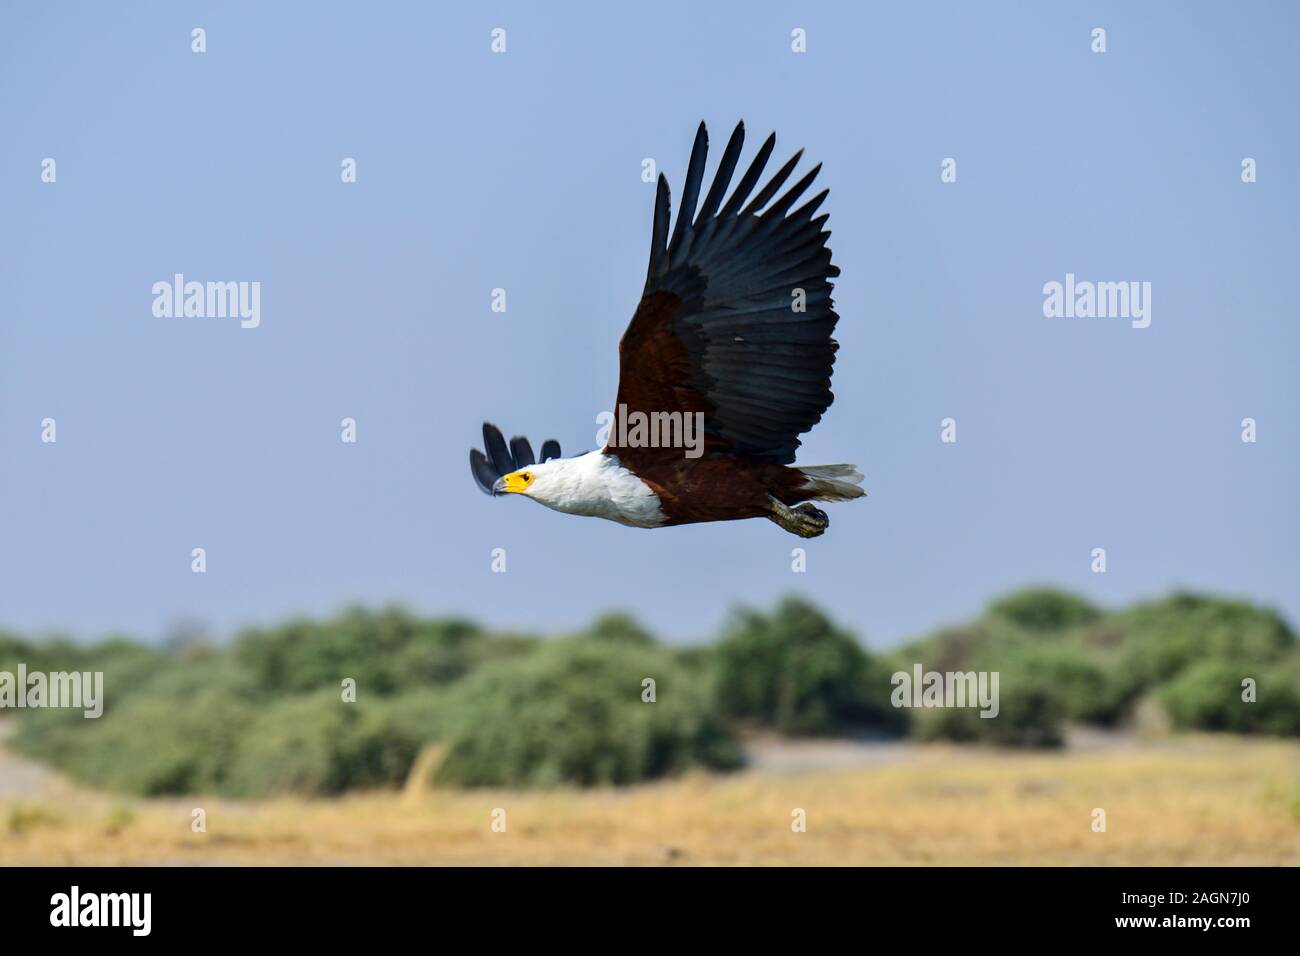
<point>807,521</point>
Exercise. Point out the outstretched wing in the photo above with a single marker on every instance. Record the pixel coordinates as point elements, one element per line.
<point>502,459</point>
<point>736,317</point>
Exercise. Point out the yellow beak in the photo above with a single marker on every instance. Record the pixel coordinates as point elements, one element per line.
<point>513,483</point>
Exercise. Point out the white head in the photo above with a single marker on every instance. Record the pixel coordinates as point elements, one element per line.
<point>550,482</point>
<point>593,484</point>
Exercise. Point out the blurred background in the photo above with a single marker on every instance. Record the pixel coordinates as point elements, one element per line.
<point>615,746</point>
<point>521,170</point>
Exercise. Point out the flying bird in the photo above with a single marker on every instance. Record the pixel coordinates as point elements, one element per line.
<point>732,335</point>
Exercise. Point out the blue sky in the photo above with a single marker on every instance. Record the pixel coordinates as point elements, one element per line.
<point>522,171</point>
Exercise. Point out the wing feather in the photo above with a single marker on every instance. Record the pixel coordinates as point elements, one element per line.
<point>718,329</point>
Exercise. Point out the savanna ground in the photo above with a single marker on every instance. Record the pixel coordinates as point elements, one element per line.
<point>1194,800</point>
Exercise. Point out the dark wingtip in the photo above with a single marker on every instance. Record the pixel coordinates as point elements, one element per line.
<point>481,469</point>
<point>522,452</point>
<point>499,458</point>
<point>498,452</point>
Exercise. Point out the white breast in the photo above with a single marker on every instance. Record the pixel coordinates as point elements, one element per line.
<point>597,485</point>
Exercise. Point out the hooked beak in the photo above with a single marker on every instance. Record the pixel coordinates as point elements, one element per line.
<point>514,483</point>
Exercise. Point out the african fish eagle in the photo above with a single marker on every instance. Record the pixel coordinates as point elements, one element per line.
<point>735,324</point>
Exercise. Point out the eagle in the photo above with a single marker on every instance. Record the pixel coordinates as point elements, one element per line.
<point>726,362</point>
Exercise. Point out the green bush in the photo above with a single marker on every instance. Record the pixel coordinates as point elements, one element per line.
<point>572,713</point>
<point>265,715</point>
<point>1163,638</point>
<point>56,654</point>
<point>319,744</point>
<point>1042,685</point>
<point>12,650</point>
<point>617,626</point>
<point>1045,611</point>
<point>148,745</point>
<point>954,648</point>
<point>418,715</point>
<point>171,741</point>
<point>795,672</point>
<point>134,676</point>
<point>383,651</point>
<point>128,666</point>
<point>1088,691</point>
<point>1031,713</point>
<point>1096,666</point>
<point>1208,696</point>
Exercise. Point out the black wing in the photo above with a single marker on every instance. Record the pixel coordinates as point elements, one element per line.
<point>762,366</point>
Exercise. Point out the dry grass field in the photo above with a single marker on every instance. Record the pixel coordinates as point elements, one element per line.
<point>1185,801</point>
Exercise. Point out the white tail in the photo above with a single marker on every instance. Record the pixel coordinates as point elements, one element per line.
<point>832,482</point>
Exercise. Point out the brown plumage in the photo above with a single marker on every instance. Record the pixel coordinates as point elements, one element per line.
<point>654,376</point>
